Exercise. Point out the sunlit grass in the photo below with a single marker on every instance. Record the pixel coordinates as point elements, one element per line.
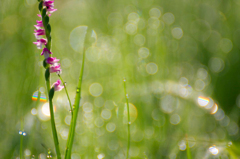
<point>181,62</point>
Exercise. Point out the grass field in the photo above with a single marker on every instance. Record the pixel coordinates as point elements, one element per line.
<point>175,62</point>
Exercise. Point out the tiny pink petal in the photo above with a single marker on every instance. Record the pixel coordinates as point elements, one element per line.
<point>38,33</point>
<point>46,52</point>
<point>57,86</point>
<point>39,24</point>
<point>55,68</point>
<point>40,42</point>
<point>52,60</point>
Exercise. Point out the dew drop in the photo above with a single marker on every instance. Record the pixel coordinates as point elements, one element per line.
<point>49,152</point>
<point>65,83</point>
<point>78,90</point>
<point>33,157</point>
<point>24,133</point>
<point>129,123</point>
<point>127,96</point>
<point>229,143</point>
<point>73,107</point>
<point>20,132</point>
<point>124,79</point>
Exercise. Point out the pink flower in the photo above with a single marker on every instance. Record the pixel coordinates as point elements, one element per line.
<point>46,53</point>
<point>49,5</point>
<point>40,42</point>
<point>52,60</point>
<point>57,86</point>
<point>38,33</point>
<point>55,68</point>
<point>39,24</point>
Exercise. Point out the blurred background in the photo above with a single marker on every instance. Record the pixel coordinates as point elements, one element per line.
<point>180,59</point>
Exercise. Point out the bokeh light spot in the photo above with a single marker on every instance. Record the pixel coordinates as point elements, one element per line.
<point>177,33</point>
<point>203,101</point>
<point>151,68</point>
<point>155,12</point>
<point>213,150</point>
<point>95,89</point>
<point>78,38</point>
<point>168,18</point>
<point>216,64</point>
<point>106,114</point>
<point>34,111</point>
<point>133,17</point>
<point>175,119</point>
<point>214,109</point>
<point>87,107</point>
<point>111,127</point>
<point>143,52</point>
<point>93,54</point>
<point>139,39</point>
<point>226,45</point>
<point>131,28</point>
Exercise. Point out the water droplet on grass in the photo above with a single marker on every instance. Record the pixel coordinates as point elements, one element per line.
<point>24,133</point>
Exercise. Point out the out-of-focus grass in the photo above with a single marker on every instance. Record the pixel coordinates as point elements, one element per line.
<point>180,58</point>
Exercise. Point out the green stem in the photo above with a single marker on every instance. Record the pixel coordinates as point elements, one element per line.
<point>65,88</point>
<point>21,141</point>
<point>54,130</point>
<point>75,113</point>
<point>128,112</point>
<point>189,156</point>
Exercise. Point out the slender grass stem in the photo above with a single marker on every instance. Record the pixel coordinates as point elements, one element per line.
<point>75,113</point>
<point>21,141</point>
<point>128,114</point>
<point>65,88</point>
<point>189,156</point>
<point>54,130</point>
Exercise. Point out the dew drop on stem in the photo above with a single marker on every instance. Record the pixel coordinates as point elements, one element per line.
<point>24,133</point>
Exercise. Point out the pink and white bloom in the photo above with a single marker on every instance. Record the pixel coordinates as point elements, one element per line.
<point>57,86</point>
<point>39,24</point>
<point>46,53</point>
<point>55,68</point>
<point>38,33</point>
<point>49,5</point>
<point>40,42</point>
<point>52,60</point>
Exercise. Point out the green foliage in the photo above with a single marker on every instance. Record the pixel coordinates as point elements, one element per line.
<point>171,52</point>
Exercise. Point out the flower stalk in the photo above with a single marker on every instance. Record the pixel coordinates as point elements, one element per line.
<point>128,114</point>
<point>44,29</point>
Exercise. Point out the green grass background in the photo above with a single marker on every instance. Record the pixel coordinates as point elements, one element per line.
<point>207,55</point>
